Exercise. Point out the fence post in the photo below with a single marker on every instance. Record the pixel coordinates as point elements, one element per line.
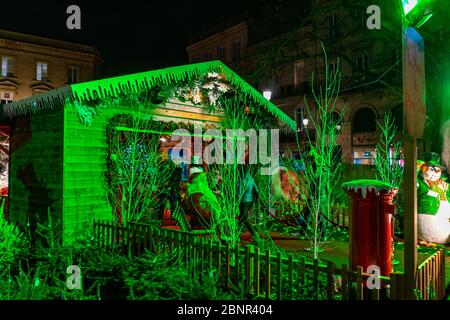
<point>236,262</point>
<point>228,260</point>
<point>102,232</point>
<point>179,249</point>
<point>316,279</point>
<point>257,274</point>
<point>210,257</point>
<point>172,240</point>
<point>219,256</point>
<point>330,280</point>
<point>344,284</point>
<point>291,277</point>
<point>268,261</point>
<point>302,275</point>
<point>359,283</point>
<point>247,269</point>
<point>202,254</point>
<point>96,233</point>
<point>279,275</point>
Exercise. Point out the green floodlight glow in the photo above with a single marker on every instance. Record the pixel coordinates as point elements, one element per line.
<point>408,5</point>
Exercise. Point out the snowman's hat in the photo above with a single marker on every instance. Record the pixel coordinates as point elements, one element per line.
<point>195,169</point>
<point>432,159</point>
<point>196,165</point>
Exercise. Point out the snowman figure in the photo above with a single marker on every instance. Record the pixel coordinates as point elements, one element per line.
<point>433,195</point>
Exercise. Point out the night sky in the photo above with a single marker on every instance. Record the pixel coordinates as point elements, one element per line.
<point>131,35</point>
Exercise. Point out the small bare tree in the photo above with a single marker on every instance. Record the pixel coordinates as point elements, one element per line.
<point>230,180</point>
<point>139,173</point>
<point>322,163</point>
<point>388,155</point>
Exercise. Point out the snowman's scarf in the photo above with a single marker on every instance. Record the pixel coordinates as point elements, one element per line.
<point>439,186</point>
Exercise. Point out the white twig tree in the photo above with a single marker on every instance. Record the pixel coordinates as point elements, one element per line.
<point>388,153</point>
<point>320,156</point>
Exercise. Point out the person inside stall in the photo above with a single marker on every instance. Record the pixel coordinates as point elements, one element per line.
<point>248,190</point>
<point>202,202</point>
<point>249,195</point>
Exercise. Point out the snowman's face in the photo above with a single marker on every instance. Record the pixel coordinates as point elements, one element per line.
<point>432,173</point>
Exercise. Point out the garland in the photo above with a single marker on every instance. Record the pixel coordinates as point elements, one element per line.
<point>205,90</point>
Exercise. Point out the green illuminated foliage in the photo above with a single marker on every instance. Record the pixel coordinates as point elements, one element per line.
<point>11,242</point>
<point>139,174</point>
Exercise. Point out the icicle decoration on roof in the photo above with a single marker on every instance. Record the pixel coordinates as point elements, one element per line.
<point>48,100</point>
<point>135,83</point>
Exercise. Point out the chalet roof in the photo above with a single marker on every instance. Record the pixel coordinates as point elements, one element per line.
<point>134,83</point>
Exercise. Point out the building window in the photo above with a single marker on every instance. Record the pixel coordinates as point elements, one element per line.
<point>332,26</point>
<point>221,53</point>
<point>7,67</point>
<point>299,72</point>
<point>363,62</point>
<point>73,74</point>
<point>41,71</point>
<point>236,50</point>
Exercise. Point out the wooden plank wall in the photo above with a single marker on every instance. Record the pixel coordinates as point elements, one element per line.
<point>85,153</point>
<point>36,168</point>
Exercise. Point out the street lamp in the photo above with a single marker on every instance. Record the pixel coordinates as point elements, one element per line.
<point>305,122</point>
<point>267,94</point>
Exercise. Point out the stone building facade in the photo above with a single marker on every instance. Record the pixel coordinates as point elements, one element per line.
<point>369,62</point>
<point>228,46</point>
<point>32,64</point>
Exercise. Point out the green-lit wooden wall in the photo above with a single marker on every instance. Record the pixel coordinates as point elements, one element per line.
<point>85,154</point>
<point>58,164</point>
<point>35,177</point>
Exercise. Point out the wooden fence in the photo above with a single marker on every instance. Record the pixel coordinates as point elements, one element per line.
<point>255,273</point>
<point>430,278</point>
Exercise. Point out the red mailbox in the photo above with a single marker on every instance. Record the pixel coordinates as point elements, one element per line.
<point>371,224</point>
